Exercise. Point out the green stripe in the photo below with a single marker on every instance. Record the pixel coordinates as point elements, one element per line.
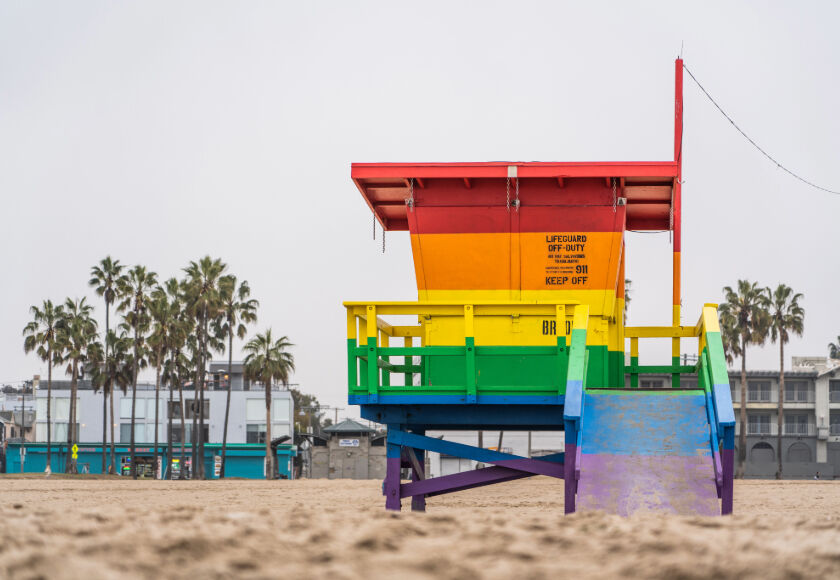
<point>668,392</point>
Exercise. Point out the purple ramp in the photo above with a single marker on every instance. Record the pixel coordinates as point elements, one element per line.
<point>629,484</point>
<point>647,452</point>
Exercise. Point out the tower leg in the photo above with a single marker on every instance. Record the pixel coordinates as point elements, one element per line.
<point>418,502</point>
<point>569,482</point>
<point>727,457</point>
<point>391,489</point>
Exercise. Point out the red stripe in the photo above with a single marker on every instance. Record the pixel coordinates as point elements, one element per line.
<point>485,220</point>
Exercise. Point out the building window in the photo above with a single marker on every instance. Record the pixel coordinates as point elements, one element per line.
<point>176,433</point>
<point>834,423</point>
<point>758,424</point>
<point>141,433</point>
<point>192,408</point>
<point>173,410</point>
<point>758,391</point>
<point>796,424</point>
<point>279,410</point>
<point>834,391</point>
<point>255,410</point>
<point>59,431</point>
<point>798,392</point>
<point>139,409</point>
<point>61,411</point>
<point>652,383</point>
<point>255,433</point>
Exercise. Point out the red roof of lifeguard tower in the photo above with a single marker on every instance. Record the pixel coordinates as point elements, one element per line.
<point>648,187</point>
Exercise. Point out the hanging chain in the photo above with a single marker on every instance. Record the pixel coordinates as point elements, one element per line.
<point>671,217</point>
<point>614,197</point>
<point>374,226</point>
<point>516,203</point>
<point>410,201</point>
<point>383,239</point>
<point>507,186</point>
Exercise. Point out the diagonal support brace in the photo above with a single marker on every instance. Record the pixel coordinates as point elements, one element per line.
<point>470,479</point>
<point>532,466</point>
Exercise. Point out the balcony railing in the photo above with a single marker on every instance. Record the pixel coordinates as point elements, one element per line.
<point>763,397</point>
<point>772,429</point>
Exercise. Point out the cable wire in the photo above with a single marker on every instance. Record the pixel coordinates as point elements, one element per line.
<point>754,144</point>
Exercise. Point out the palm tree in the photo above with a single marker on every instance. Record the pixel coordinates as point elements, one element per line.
<point>115,372</point>
<point>175,369</point>
<point>78,344</point>
<point>175,363</point>
<point>40,335</point>
<point>163,317</point>
<point>201,288</point>
<point>134,292</point>
<point>269,361</point>
<point>744,320</point>
<point>104,278</point>
<point>237,311</point>
<point>786,317</point>
<point>834,349</point>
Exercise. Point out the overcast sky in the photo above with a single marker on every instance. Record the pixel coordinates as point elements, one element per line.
<point>159,132</point>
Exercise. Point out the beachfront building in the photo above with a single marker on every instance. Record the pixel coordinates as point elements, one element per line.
<point>811,417</point>
<point>246,425</point>
<point>246,422</point>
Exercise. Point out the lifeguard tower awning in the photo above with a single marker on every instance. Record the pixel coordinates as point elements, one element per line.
<point>647,188</point>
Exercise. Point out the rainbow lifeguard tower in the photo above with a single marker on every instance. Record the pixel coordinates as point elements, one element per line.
<point>519,325</point>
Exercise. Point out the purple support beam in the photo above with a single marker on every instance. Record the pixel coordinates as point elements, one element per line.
<point>728,460</point>
<point>569,476</point>
<point>569,467</point>
<point>461,481</point>
<point>391,488</point>
<point>728,491</point>
<point>418,474</point>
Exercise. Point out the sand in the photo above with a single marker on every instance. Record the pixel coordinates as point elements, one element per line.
<point>84,528</point>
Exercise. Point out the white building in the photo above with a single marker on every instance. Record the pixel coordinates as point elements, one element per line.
<point>246,423</point>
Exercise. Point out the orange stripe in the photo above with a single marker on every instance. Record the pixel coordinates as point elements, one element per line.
<point>547,261</point>
<point>677,267</point>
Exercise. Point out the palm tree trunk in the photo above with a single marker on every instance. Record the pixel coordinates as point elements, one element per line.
<point>183,428</point>
<point>194,410</point>
<point>104,429</point>
<point>105,394</point>
<point>202,472</point>
<point>112,469</point>
<point>742,439</point>
<point>781,405</point>
<point>227,403</point>
<point>157,410</point>
<point>70,464</point>
<point>134,399</point>
<point>49,409</point>
<point>168,469</point>
<point>269,458</point>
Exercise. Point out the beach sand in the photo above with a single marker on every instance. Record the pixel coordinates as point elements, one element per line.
<point>87,528</point>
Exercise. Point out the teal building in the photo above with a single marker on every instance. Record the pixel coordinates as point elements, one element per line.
<point>245,460</point>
